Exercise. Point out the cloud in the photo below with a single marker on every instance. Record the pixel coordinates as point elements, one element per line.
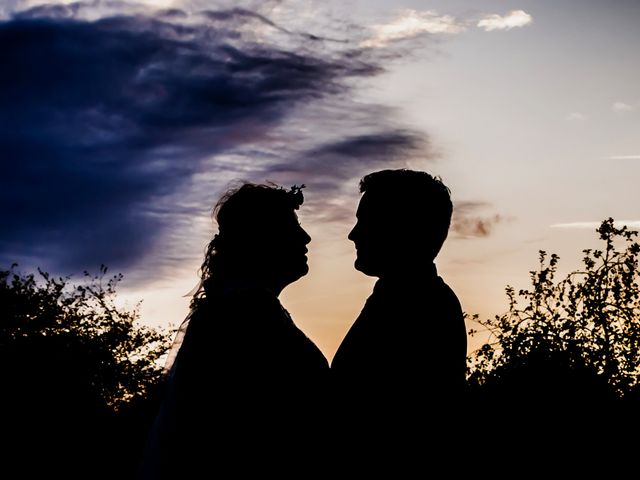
<point>624,157</point>
<point>372,150</point>
<point>595,225</point>
<point>621,107</point>
<point>576,117</point>
<point>335,168</point>
<point>411,24</point>
<point>467,222</point>
<point>515,18</point>
<point>117,130</point>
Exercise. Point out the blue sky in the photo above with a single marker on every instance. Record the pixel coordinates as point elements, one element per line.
<point>122,124</point>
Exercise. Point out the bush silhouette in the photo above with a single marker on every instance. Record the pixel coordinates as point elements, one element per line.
<point>571,342</point>
<point>557,381</point>
<point>79,376</point>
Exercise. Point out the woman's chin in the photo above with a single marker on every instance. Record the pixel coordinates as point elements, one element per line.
<point>295,273</point>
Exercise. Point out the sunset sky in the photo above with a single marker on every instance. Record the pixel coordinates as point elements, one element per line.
<point>122,123</point>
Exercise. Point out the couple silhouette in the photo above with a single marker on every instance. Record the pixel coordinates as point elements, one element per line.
<point>248,387</point>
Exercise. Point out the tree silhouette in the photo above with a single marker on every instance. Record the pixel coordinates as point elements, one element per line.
<point>79,374</point>
<point>575,341</point>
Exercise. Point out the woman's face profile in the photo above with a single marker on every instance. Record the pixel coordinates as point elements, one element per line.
<point>260,238</point>
<point>282,250</point>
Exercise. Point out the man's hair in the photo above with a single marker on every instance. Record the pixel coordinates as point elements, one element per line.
<point>422,202</point>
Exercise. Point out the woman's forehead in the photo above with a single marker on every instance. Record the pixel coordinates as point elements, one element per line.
<point>282,216</point>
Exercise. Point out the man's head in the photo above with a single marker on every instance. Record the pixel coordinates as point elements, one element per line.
<point>402,221</point>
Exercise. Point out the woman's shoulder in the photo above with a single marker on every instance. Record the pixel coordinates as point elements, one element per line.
<point>239,307</point>
<point>247,291</point>
<point>247,299</point>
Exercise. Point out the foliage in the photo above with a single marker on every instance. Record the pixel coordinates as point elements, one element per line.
<point>45,319</point>
<point>587,323</point>
<point>79,377</point>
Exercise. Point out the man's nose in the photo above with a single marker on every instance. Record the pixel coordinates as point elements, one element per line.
<point>353,233</point>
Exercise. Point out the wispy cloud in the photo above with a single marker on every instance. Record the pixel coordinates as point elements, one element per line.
<point>622,107</point>
<point>468,220</point>
<point>514,19</point>
<point>411,24</point>
<point>576,117</point>
<point>594,225</point>
<point>624,157</point>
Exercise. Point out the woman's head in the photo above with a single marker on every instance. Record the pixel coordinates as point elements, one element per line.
<point>259,238</point>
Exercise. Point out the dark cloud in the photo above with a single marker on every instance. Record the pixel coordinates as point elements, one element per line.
<point>333,169</point>
<point>468,220</point>
<point>107,124</point>
<point>341,159</point>
<point>372,149</point>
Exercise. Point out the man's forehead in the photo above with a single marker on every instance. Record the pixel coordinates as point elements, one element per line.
<point>390,208</point>
<point>372,204</point>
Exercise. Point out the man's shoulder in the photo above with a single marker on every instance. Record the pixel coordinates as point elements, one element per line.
<point>446,294</point>
<point>418,291</point>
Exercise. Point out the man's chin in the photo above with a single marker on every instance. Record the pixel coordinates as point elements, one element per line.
<point>365,267</point>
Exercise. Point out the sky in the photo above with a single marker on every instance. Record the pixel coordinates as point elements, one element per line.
<point>122,123</point>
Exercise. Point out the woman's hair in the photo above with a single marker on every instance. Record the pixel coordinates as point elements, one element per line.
<point>242,214</point>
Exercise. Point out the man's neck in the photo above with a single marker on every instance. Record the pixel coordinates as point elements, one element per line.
<point>412,273</point>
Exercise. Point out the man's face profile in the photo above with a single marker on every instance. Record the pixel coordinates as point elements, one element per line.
<point>373,236</point>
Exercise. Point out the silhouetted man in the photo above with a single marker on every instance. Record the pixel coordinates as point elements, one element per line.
<point>407,349</point>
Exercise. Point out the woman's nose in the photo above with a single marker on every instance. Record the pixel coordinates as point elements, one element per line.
<point>305,236</point>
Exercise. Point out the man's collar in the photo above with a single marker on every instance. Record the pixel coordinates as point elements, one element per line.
<point>411,278</point>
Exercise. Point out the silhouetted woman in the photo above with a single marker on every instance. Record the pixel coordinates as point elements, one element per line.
<point>246,383</point>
